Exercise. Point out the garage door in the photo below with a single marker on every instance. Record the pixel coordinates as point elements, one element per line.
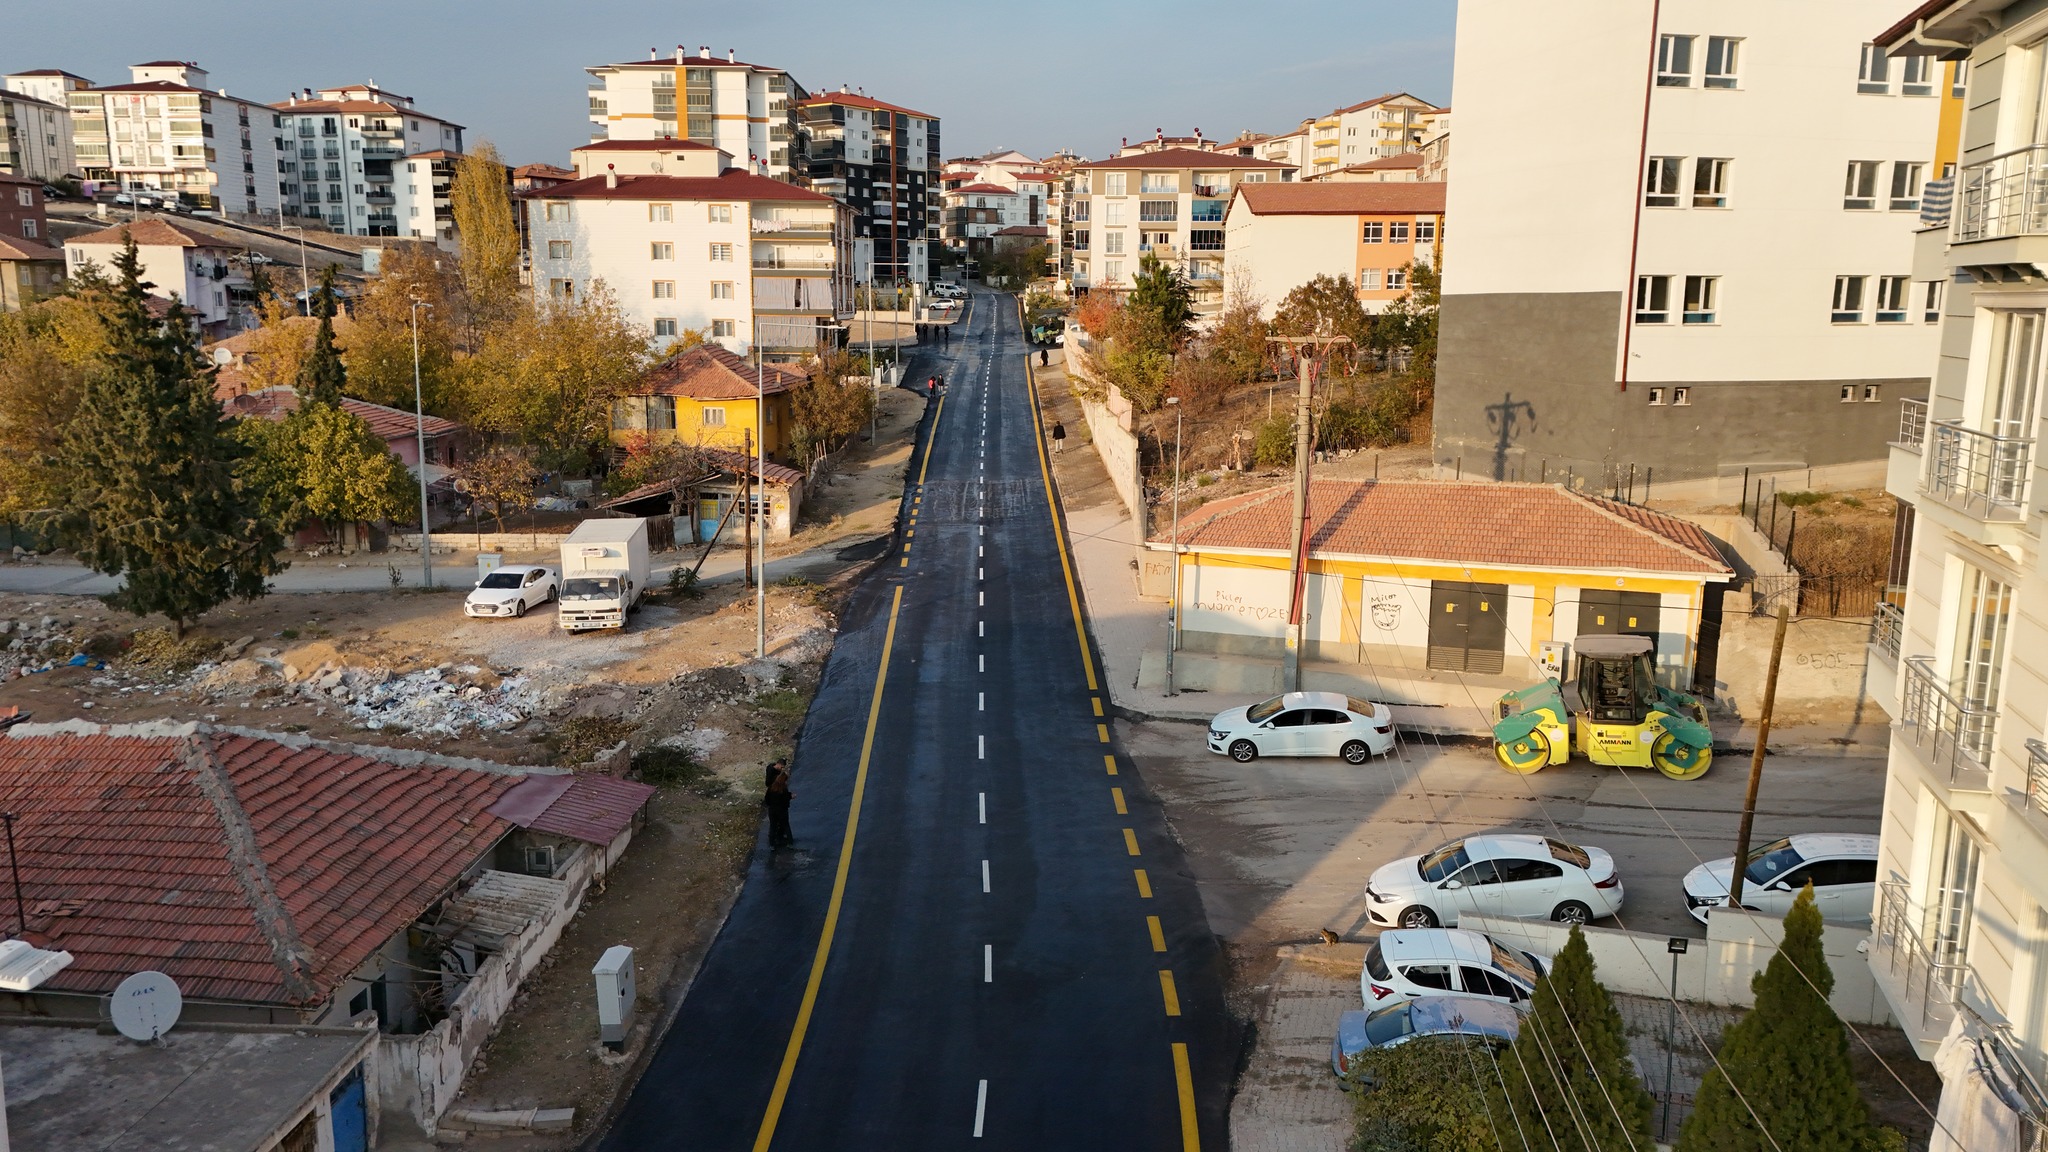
<point>1468,626</point>
<point>1608,612</point>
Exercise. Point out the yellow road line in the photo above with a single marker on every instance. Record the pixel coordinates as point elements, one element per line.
<point>1167,990</point>
<point>931,445</point>
<point>1131,841</point>
<point>905,564</point>
<point>1058,533</point>
<point>1097,701</point>
<point>1102,733</point>
<point>1109,762</point>
<point>1116,796</point>
<point>1158,934</point>
<point>1190,1132</point>
<point>1144,884</point>
<point>810,1000</point>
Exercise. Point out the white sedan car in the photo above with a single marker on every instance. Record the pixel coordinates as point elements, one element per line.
<point>1304,724</point>
<point>1532,877</point>
<point>511,590</point>
<point>1841,868</point>
<point>1404,964</point>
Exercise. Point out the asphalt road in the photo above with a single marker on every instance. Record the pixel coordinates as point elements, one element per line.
<point>985,936</point>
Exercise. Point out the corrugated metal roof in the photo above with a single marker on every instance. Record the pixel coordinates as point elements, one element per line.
<point>501,904</point>
<point>593,809</point>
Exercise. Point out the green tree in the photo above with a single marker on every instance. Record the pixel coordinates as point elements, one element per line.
<point>829,408</point>
<point>481,202</point>
<point>149,490</point>
<point>347,473</point>
<point>1410,323</point>
<point>1425,1096</point>
<point>547,377</point>
<point>379,346</point>
<point>1161,301</point>
<point>1325,306</point>
<point>1789,1059</point>
<point>1569,1073</point>
<point>1238,341</point>
<point>499,477</point>
<point>321,375</point>
<point>46,351</point>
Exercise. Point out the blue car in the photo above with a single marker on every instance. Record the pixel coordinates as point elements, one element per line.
<point>1488,1020</point>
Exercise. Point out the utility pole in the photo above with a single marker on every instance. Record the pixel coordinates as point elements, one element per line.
<point>1290,667</point>
<point>1756,761</point>
<point>747,504</point>
<point>761,469</point>
<point>1173,598</point>
<point>14,866</point>
<point>419,412</point>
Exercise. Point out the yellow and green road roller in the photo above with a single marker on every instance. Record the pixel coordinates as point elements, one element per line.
<point>1622,716</point>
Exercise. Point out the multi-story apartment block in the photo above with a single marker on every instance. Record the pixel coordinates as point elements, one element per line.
<point>1170,204</point>
<point>178,262</point>
<point>881,160</point>
<point>685,241</point>
<point>420,202</point>
<point>748,110</point>
<point>1436,147</point>
<point>1961,932</point>
<point>1280,236</point>
<point>29,266</point>
<point>1004,189</point>
<point>1404,168</point>
<point>1615,294</point>
<point>35,124</point>
<point>341,159</point>
<point>166,132</point>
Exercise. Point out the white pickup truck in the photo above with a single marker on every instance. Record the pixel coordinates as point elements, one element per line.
<point>604,574</point>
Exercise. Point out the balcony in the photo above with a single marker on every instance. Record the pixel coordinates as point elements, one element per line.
<point>1951,733</point>
<point>793,228</point>
<point>2003,197</point>
<point>1888,623</point>
<point>2037,777</point>
<point>1982,476</point>
<point>1923,984</point>
<point>1912,424</point>
<point>784,261</point>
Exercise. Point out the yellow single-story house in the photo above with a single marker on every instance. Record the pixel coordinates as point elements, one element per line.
<point>707,395</point>
<point>1412,578</point>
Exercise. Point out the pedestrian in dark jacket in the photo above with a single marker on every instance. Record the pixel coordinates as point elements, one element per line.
<point>775,768</point>
<point>1059,437</point>
<point>777,803</point>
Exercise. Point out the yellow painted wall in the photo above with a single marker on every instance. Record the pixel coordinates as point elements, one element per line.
<point>1948,130</point>
<point>732,435</point>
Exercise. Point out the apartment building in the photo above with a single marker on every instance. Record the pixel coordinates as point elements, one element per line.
<point>1382,126</point>
<point>1703,292</point>
<point>1281,236</point>
<point>1171,203</point>
<point>1403,168</point>
<point>749,110</point>
<point>166,132</point>
<point>420,197</point>
<point>983,195</point>
<point>35,124</point>
<point>341,159</point>
<point>685,241</point>
<point>1960,947</point>
<point>177,262</point>
<point>882,160</point>
<point>29,266</point>
<point>1436,146</point>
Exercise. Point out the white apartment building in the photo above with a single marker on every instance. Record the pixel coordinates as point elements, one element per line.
<point>1004,189</point>
<point>341,159</point>
<point>177,262</point>
<point>1702,293</point>
<point>1170,203</point>
<point>35,124</point>
<point>419,196</point>
<point>1382,126</point>
<point>748,110</point>
<point>687,242</point>
<point>1961,935</point>
<point>165,131</point>
<point>1278,237</point>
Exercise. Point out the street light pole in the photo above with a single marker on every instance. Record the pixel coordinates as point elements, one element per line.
<point>1676,945</point>
<point>761,469</point>
<point>1173,597</point>
<point>419,412</point>
<point>305,284</point>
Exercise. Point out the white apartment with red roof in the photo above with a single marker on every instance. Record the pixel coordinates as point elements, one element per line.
<point>35,124</point>
<point>749,110</point>
<point>166,131</point>
<point>177,263</point>
<point>1168,203</point>
<point>342,160</point>
<point>687,242</point>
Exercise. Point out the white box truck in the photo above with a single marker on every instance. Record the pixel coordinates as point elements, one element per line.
<point>604,574</point>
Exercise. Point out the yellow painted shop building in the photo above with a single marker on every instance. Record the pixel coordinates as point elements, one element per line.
<point>1412,579</point>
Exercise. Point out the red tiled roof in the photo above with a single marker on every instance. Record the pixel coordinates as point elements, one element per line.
<point>709,372</point>
<point>149,233</point>
<point>47,72</point>
<point>1470,523</point>
<point>148,86</point>
<point>1400,160</point>
<point>387,424</point>
<point>246,869</point>
<point>1342,197</point>
<point>736,463</point>
<point>854,100</point>
<point>594,809</point>
<point>1377,100</point>
<point>732,184</point>
<point>26,249</point>
<point>982,189</point>
<point>1022,230</point>
<point>1184,158</point>
<point>546,171</point>
<point>383,106</point>
<point>664,144</point>
<point>169,64</point>
<point>434,154</point>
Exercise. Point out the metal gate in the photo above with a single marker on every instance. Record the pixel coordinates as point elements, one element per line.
<point>350,1118</point>
<point>1468,626</point>
<point>1606,612</point>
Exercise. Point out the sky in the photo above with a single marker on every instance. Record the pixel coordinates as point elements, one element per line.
<point>1076,74</point>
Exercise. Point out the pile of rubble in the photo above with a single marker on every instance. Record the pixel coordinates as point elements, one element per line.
<point>445,700</point>
<point>29,646</point>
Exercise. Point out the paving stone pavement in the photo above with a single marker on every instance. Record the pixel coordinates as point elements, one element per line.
<point>1287,1100</point>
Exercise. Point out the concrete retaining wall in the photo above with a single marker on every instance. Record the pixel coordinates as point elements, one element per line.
<point>1109,425</point>
<point>1823,677</point>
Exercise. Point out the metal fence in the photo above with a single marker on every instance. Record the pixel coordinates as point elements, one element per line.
<point>1806,544</point>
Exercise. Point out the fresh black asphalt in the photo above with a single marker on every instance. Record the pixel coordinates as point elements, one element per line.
<point>986,706</point>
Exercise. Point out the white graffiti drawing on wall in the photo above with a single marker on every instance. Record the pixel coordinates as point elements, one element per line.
<point>1386,612</point>
<point>1225,604</point>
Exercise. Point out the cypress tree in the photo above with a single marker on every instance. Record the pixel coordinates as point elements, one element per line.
<point>149,485</point>
<point>322,377</point>
<point>1568,1074</point>
<point>1789,1057</point>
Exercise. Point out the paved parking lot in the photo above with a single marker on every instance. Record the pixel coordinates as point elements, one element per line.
<point>1283,847</point>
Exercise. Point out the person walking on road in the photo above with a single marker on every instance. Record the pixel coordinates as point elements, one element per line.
<point>1059,437</point>
<point>1044,357</point>
<point>777,802</point>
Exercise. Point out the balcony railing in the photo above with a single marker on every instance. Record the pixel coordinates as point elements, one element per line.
<point>1950,730</point>
<point>780,260</point>
<point>1931,979</point>
<point>1888,624</point>
<point>2037,776</point>
<point>2006,195</point>
<point>1912,423</point>
<point>760,225</point>
<point>1977,472</point>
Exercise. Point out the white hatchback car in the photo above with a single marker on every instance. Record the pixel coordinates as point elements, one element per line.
<point>1405,963</point>
<point>1304,724</point>
<point>1498,874</point>
<point>1842,869</point>
<point>511,590</point>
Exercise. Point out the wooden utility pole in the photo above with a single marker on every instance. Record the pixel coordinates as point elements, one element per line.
<point>1756,760</point>
<point>1290,671</point>
<point>747,500</point>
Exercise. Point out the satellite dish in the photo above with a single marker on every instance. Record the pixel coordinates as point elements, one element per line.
<point>222,357</point>
<point>146,1005</point>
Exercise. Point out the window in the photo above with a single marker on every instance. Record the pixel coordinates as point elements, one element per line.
<point>1656,397</point>
<point>1891,299</point>
<point>721,253</point>
<point>1848,394</point>
<point>28,229</point>
<point>1722,53</point>
<point>1660,181</point>
<point>1113,243</point>
<point>724,328</point>
<point>1425,231</point>
<point>1849,299</point>
<point>713,416</point>
<point>1859,187</point>
<point>1371,232</point>
<point>1368,279</point>
<point>555,210</point>
<point>1397,279</point>
<point>1681,397</point>
<point>562,289</point>
<point>1653,299</point>
<point>1916,76</point>
<point>1957,80</point>
<point>1481,982</point>
<point>1931,303</point>
<point>661,250</point>
<point>664,326</point>
<point>1710,182</point>
<point>1700,292</point>
<point>1906,183</point>
<point>660,213</point>
<point>1397,232</point>
<point>1522,871</point>
<point>1159,182</point>
<point>1113,213</point>
<point>1674,61</point>
<point>559,249</point>
<point>1113,183</point>
<point>1870,393</point>
<point>718,213</point>
<point>25,197</point>
<point>1158,211</point>
<point>664,290</point>
<point>1872,71</point>
<point>1430,976</point>
<point>721,290</point>
<point>1112,271</point>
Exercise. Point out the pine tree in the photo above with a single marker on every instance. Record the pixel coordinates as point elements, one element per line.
<point>321,376</point>
<point>149,487</point>
<point>1790,1059</point>
<point>1161,295</point>
<point>1568,1073</point>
